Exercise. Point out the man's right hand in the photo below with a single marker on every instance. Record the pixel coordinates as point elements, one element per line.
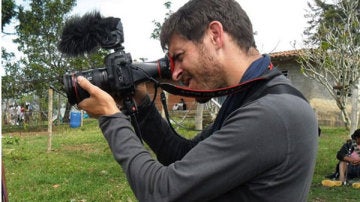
<point>99,103</point>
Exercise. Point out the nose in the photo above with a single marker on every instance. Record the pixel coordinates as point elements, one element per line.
<point>177,73</point>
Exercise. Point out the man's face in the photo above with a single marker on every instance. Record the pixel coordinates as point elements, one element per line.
<point>196,65</point>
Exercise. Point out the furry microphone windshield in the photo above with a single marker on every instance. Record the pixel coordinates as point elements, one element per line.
<point>90,32</point>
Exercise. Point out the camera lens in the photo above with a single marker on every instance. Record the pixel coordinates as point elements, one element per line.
<point>75,93</point>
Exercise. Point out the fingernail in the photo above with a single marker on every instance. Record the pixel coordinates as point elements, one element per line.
<point>80,78</point>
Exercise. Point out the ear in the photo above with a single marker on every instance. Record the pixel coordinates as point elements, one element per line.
<point>216,33</point>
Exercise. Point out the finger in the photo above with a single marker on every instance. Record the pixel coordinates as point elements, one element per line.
<point>86,84</point>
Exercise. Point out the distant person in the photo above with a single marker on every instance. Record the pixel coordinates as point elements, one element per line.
<point>28,112</point>
<point>180,105</point>
<point>20,110</point>
<point>183,104</point>
<point>62,112</point>
<point>348,167</point>
<point>349,157</point>
<point>175,107</point>
<point>13,114</point>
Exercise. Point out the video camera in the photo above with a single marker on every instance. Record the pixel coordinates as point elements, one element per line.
<point>120,75</point>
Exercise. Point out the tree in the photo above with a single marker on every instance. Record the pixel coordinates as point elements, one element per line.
<point>41,65</point>
<point>156,32</point>
<point>8,12</point>
<point>11,81</point>
<point>332,53</point>
<point>38,33</point>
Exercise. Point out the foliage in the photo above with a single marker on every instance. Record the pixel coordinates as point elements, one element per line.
<point>7,12</point>
<point>10,87</point>
<point>156,32</point>
<point>38,33</point>
<point>323,17</point>
<point>332,55</point>
<point>40,65</point>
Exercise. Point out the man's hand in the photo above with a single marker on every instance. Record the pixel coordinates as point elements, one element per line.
<point>355,162</point>
<point>99,103</point>
<point>351,160</point>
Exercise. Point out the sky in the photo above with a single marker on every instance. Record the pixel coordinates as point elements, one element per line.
<point>277,23</point>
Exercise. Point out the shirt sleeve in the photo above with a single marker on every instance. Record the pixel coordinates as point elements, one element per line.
<point>166,143</point>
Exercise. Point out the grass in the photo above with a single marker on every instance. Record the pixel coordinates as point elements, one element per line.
<point>80,166</point>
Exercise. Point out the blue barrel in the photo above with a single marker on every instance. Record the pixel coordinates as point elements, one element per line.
<point>75,119</point>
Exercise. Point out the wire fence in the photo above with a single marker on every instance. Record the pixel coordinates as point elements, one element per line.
<point>32,113</point>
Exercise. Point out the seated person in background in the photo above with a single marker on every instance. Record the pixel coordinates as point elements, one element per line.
<point>180,105</point>
<point>183,104</point>
<point>349,157</point>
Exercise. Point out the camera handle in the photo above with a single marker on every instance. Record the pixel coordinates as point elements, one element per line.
<point>131,110</point>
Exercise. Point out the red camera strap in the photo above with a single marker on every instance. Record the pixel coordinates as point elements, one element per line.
<point>187,92</point>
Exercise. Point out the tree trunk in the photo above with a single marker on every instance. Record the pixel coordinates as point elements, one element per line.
<point>354,116</point>
<point>199,116</point>
<point>344,113</point>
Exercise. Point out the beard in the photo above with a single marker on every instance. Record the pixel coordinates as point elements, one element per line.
<point>210,75</point>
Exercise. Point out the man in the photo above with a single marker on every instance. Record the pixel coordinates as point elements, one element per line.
<point>349,157</point>
<point>261,147</point>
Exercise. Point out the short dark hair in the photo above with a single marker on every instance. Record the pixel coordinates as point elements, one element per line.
<point>192,19</point>
<point>356,134</point>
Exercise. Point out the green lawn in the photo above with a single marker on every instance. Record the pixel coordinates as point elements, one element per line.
<point>80,167</point>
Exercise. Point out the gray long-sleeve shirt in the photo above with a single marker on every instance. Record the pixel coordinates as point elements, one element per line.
<point>264,151</point>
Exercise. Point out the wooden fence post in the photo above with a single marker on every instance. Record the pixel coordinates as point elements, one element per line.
<point>50,112</point>
<point>199,116</point>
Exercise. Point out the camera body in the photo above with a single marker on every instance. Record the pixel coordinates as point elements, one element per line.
<point>116,78</point>
<point>120,75</point>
